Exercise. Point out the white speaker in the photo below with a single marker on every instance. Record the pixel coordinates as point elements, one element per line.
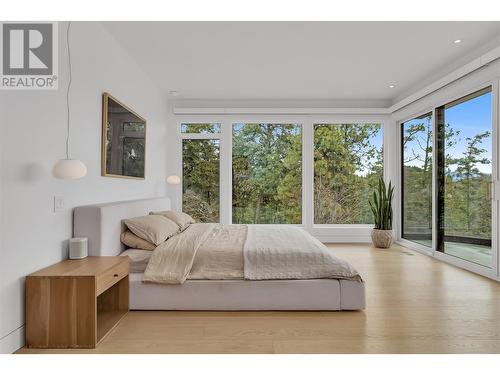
<point>78,248</point>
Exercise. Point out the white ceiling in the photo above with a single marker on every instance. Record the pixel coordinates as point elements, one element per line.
<point>300,60</point>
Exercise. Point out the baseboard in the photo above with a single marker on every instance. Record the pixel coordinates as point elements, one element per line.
<point>342,233</point>
<point>13,341</point>
<point>343,239</point>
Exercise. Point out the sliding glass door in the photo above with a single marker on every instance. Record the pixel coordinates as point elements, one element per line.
<point>464,175</point>
<point>416,182</point>
<point>447,169</point>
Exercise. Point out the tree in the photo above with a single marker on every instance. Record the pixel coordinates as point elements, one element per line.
<point>417,172</point>
<point>467,170</point>
<point>417,147</point>
<point>267,173</point>
<point>347,165</point>
<point>201,179</point>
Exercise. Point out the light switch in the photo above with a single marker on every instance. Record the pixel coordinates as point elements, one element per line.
<point>58,204</point>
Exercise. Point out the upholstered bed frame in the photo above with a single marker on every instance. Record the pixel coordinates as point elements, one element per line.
<point>102,225</point>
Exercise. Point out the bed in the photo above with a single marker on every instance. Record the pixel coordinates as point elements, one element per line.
<point>102,225</point>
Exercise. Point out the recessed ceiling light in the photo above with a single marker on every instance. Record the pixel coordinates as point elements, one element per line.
<point>457,41</point>
<point>392,86</point>
<point>174,93</point>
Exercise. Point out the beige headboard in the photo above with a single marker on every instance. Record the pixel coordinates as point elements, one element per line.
<point>102,223</point>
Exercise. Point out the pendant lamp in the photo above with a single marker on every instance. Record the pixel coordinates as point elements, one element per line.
<point>68,169</point>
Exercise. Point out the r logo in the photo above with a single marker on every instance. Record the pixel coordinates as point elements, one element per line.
<point>27,49</point>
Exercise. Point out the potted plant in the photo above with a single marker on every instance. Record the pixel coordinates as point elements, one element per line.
<point>381,206</point>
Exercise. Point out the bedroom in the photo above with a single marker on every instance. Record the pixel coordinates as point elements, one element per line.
<point>284,144</point>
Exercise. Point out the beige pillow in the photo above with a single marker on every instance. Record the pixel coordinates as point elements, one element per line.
<point>152,228</point>
<point>182,219</point>
<point>135,242</point>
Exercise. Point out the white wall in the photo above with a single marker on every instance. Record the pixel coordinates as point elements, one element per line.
<point>32,139</point>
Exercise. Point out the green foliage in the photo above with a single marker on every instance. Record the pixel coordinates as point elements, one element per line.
<point>267,176</point>
<point>467,204</point>
<point>206,128</point>
<point>417,174</point>
<point>196,206</point>
<point>381,205</point>
<point>267,173</point>
<point>467,208</point>
<point>347,166</point>
<point>201,179</point>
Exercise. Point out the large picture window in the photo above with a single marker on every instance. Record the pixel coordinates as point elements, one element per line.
<point>348,162</point>
<point>267,173</point>
<point>416,147</point>
<point>200,179</point>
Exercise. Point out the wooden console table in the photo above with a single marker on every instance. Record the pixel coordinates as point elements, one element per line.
<point>75,303</point>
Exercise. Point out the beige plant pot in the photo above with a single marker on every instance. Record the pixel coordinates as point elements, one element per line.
<point>382,239</point>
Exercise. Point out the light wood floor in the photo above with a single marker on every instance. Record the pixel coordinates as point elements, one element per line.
<point>414,305</point>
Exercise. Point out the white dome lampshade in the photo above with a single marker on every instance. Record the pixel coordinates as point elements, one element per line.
<point>69,169</point>
<point>173,180</point>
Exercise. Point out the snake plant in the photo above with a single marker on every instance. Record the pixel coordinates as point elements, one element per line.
<point>381,205</point>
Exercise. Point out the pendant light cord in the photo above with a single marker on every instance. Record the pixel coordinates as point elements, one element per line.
<point>67,91</point>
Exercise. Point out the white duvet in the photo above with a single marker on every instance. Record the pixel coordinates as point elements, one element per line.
<point>253,252</point>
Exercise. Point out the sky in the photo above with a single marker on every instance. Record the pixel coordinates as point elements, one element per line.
<point>470,118</point>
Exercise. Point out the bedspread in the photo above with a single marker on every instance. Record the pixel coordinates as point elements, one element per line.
<point>253,252</point>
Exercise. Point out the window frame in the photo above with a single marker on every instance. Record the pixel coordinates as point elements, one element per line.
<point>326,232</point>
<point>196,136</point>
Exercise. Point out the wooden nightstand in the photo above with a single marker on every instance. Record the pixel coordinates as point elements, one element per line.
<point>75,303</point>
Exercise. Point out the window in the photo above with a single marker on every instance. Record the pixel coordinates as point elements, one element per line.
<point>208,128</point>
<point>267,173</point>
<point>416,148</point>
<point>464,162</point>
<point>200,179</point>
<point>347,166</point>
